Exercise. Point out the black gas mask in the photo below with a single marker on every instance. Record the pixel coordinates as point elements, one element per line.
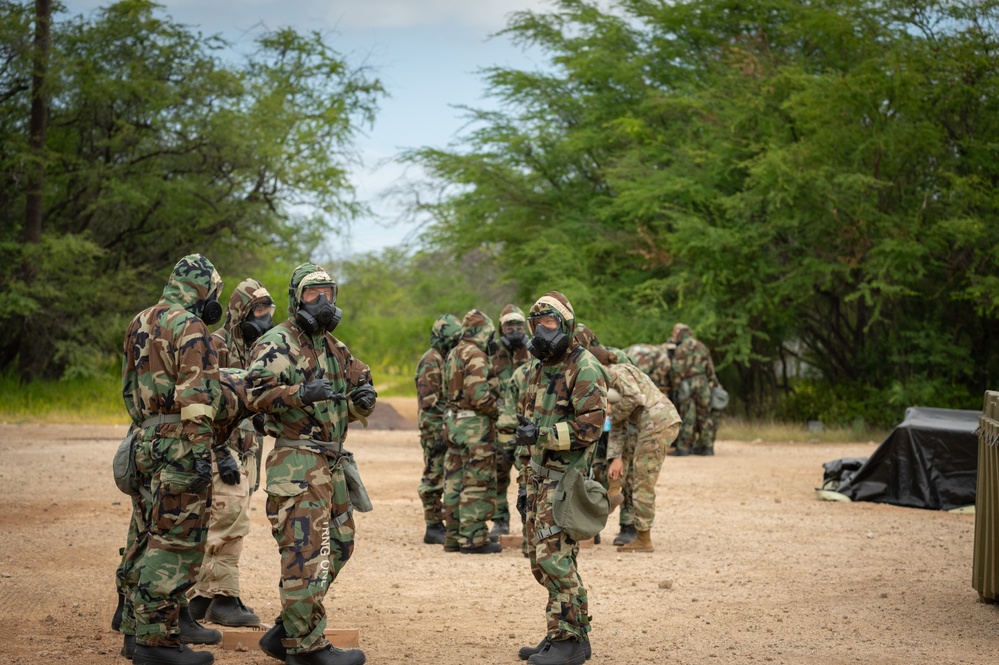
<point>548,343</point>
<point>255,326</point>
<point>211,310</point>
<point>320,315</point>
<point>515,339</point>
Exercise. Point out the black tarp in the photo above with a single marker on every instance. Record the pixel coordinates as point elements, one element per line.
<point>929,461</point>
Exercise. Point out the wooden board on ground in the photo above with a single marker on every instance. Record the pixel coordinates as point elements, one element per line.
<point>244,639</point>
<point>512,541</point>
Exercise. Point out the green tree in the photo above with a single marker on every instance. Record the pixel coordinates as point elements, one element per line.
<point>158,146</point>
<point>809,185</point>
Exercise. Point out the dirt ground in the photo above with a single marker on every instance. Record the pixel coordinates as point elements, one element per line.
<point>749,567</point>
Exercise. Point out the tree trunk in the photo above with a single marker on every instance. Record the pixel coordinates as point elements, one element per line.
<point>27,354</point>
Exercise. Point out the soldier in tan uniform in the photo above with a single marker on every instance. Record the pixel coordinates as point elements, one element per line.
<point>644,423</point>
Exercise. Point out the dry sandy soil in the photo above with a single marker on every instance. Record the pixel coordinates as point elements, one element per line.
<point>749,567</point>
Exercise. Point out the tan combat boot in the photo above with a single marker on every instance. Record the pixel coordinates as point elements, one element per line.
<point>641,543</point>
<point>614,494</point>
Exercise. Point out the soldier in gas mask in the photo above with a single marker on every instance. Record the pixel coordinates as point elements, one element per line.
<point>216,596</point>
<point>562,413</point>
<point>470,462</point>
<point>170,383</point>
<point>310,387</point>
<point>431,400</point>
<point>693,375</point>
<point>510,353</point>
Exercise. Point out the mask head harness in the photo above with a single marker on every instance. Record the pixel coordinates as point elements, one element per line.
<point>547,344</point>
<point>321,314</point>
<point>253,326</point>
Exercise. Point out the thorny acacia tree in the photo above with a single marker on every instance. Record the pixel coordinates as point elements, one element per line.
<point>809,185</point>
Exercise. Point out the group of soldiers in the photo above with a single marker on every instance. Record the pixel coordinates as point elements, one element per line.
<point>542,395</point>
<point>539,395</point>
<point>200,404</point>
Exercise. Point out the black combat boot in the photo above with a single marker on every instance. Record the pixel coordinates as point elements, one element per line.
<point>198,606</point>
<point>486,548</point>
<point>230,611</point>
<point>182,655</point>
<point>192,632</point>
<point>561,652</point>
<point>628,534</point>
<point>271,644</point>
<point>434,534</point>
<point>116,617</point>
<point>678,452</point>
<point>128,647</point>
<point>500,528</point>
<point>328,656</point>
<point>527,652</point>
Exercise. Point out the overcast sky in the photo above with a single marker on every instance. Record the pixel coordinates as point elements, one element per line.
<point>425,52</point>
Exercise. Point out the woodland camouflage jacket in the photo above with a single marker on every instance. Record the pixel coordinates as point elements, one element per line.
<point>170,365</point>
<point>566,399</point>
<point>468,377</point>
<point>284,358</point>
<point>430,399</point>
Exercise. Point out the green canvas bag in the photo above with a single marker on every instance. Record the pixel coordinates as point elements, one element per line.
<point>580,505</point>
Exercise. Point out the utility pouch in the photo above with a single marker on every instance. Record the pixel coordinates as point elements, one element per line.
<point>359,499</point>
<point>126,476</point>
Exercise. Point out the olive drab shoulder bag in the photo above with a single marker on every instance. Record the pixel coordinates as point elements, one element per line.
<point>126,476</point>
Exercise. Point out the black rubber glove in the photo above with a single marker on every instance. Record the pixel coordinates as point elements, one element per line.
<point>258,423</point>
<point>363,397</point>
<point>438,446</point>
<point>527,432</point>
<point>522,503</point>
<point>202,475</point>
<point>228,469</point>
<point>316,390</point>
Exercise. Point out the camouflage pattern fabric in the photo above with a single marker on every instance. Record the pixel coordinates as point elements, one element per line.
<point>470,463</point>
<point>307,501</point>
<point>645,423</point>
<point>169,367</point>
<point>431,400</point>
<point>505,361</point>
<point>692,364</point>
<point>654,361</point>
<point>567,399</point>
<point>229,520</point>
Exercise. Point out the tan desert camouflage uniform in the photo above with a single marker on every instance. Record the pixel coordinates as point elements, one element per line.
<point>170,385</point>
<point>307,500</point>
<point>229,521</point>
<point>431,399</point>
<point>470,463</point>
<point>643,425</point>
<point>566,398</point>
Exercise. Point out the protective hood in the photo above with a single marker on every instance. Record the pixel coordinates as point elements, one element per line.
<point>512,313</point>
<point>248,294</point>
<point>478,327</point>
<point>445,333</point>
<point>193,279</point>
<point>307,274</point>
<point>681,331</point>
<point>553,301</point>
